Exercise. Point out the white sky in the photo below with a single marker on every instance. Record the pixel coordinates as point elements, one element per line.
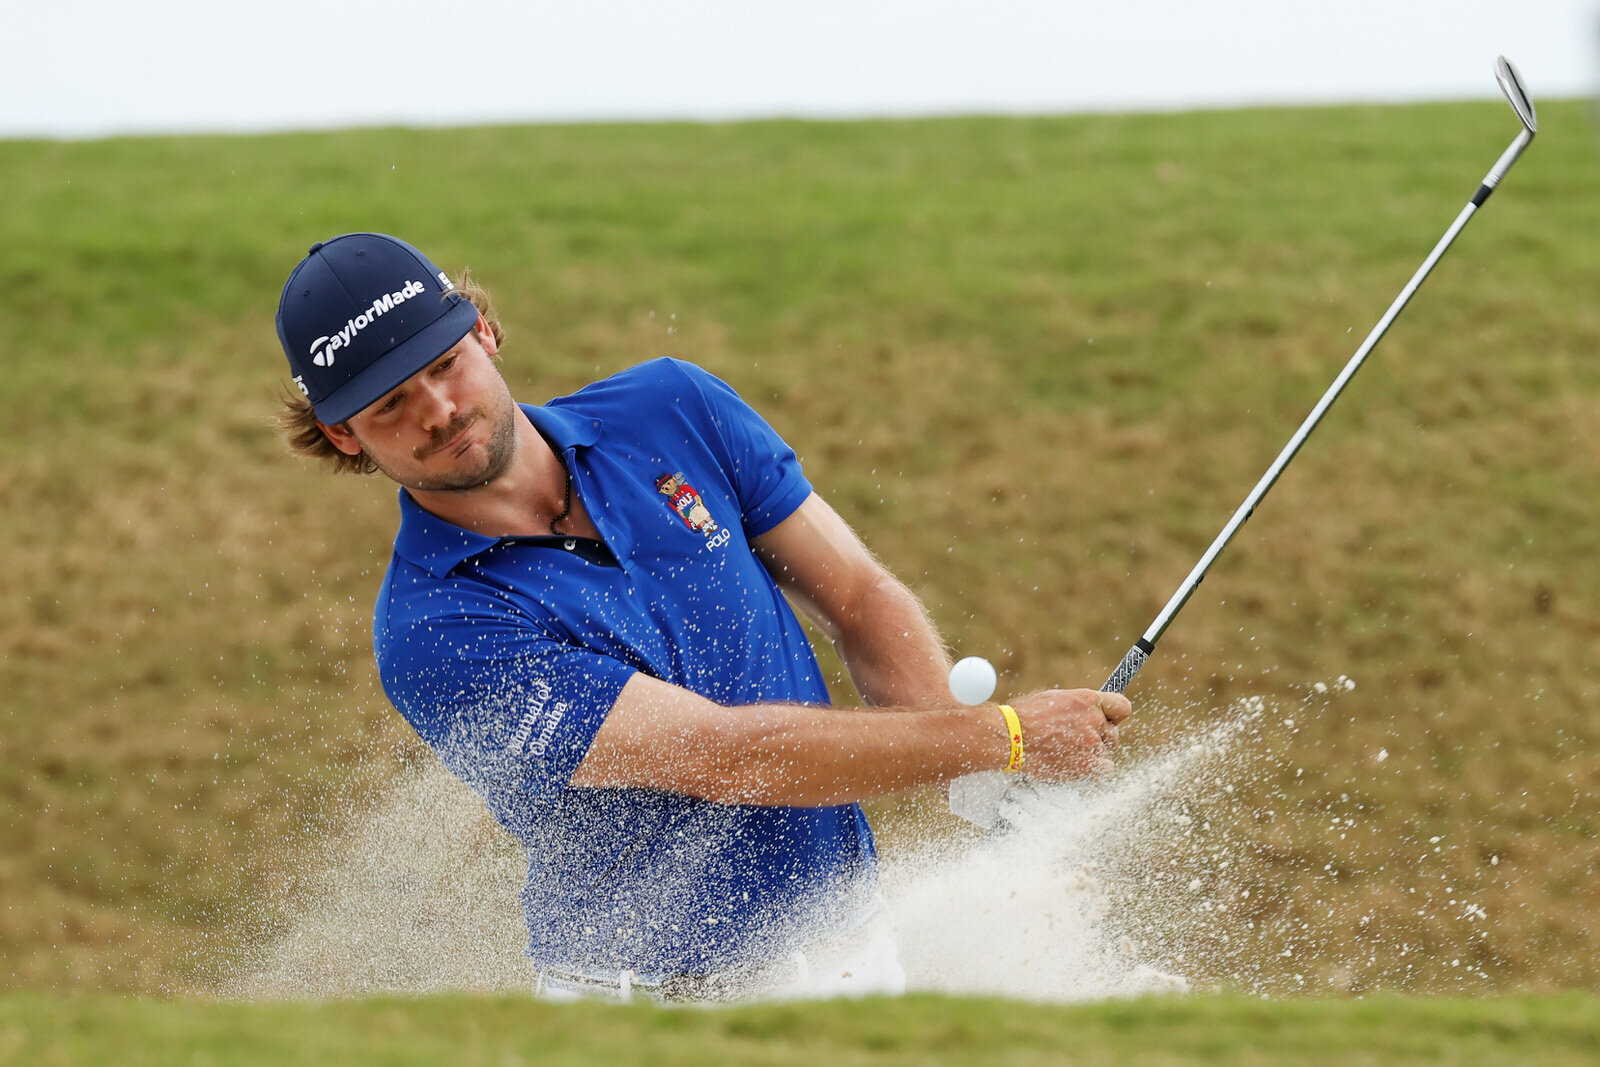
<point>76,68</point>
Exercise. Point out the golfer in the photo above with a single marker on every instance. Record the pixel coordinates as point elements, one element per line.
<point>587,616</point>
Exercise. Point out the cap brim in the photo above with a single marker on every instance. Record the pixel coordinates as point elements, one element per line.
<point>427,345</point>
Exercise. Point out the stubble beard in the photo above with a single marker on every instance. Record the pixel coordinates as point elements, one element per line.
<point>499,450</point>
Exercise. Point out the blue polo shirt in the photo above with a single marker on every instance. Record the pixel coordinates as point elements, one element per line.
<point>505,654</point>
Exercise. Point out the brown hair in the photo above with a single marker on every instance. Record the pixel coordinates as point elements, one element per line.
<point>297,420</point>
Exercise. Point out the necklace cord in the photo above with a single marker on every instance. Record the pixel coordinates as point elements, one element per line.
<point>567,508</point>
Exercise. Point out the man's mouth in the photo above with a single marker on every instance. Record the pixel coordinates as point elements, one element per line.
<point>455,443</point>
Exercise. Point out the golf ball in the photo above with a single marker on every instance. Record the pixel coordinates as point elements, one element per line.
<point>972,680</point>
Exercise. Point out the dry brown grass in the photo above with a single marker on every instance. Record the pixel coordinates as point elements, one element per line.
<point>189,694</point>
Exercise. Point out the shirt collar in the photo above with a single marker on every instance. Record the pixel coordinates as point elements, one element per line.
<point>438,546</point>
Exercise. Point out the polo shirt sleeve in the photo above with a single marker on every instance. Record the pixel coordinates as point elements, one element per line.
<point>509,708</point>
<point>765,472</point>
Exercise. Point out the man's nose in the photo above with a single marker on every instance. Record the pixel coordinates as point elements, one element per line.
<point>434,405</point>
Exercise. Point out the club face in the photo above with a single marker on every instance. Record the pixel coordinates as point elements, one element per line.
<point>1511,85</point>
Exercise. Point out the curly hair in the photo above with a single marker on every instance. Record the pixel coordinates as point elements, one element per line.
<point>297,420</point>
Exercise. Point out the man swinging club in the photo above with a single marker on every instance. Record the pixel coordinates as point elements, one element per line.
<point>587,617</point>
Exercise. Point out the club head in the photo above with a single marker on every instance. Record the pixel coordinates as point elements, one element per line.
<point>1511,85</point>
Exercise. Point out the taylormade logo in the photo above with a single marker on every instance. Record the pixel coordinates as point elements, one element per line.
<point>323,348</point>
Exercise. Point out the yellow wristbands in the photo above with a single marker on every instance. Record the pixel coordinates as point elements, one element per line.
<point>1014,731</point>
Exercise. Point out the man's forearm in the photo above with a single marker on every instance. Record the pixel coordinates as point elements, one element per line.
<point>804,757</point>
<point>658,736</point>
<point>878,625</point>
<point>894,654</point>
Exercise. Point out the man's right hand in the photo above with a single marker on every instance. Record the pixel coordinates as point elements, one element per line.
<point>1069,733</point>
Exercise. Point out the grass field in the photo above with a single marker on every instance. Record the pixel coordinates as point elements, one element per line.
<point>1035,361</point>
<point>513,1030</point>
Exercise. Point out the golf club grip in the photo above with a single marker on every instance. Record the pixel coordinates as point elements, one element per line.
<point>1118,682</point>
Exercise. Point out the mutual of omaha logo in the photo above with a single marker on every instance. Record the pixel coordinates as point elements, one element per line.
<point>539,723</point>
<point>685,500</point>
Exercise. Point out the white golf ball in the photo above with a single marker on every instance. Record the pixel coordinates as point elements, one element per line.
<point>972,680</point>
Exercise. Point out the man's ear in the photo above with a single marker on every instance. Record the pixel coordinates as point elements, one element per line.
<point>342,438</point>
<point>486,336</point>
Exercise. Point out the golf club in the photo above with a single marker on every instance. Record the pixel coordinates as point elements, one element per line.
<point>1511,85</point>
<point>979,798</point>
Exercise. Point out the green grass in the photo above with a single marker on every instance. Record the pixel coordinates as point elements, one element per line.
<point>918,1029</point>
<point>1035,361</point>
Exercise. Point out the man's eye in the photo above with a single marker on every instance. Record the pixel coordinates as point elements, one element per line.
<point>446,364</point>
<point>389,405</point>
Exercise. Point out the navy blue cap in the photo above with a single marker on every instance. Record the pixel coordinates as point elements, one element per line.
<point>361,314</point>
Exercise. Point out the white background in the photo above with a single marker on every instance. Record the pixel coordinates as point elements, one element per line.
<point>83,68</point>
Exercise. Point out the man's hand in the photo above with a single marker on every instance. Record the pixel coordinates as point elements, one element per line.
<point>1066,734</point>
<point>1069,733</point>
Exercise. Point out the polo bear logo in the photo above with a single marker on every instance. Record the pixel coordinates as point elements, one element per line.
<point>685,500</point>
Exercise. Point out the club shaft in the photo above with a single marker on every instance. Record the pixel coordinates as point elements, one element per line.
<point>1140,652</point>
<point>1164,619</point>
